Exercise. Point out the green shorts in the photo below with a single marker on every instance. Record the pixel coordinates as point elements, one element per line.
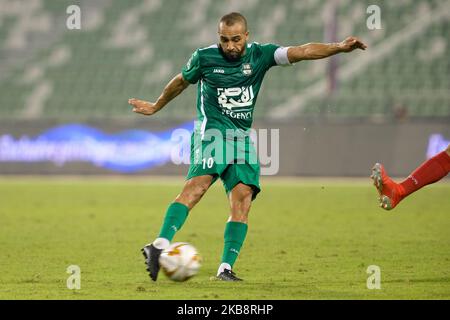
<point>232,160</point>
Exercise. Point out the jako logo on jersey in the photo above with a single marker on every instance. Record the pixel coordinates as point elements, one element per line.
<point>247,69</point>
<point>218,71</point>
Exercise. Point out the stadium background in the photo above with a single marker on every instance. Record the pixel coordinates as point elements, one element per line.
<point>336,116</point>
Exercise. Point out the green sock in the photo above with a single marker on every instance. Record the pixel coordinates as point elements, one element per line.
<point>234,236</point>
<point>175,217</point>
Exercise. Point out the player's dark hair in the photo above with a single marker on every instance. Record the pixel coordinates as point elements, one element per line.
<point>232,18</point>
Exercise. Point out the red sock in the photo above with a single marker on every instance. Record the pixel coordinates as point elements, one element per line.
<point>432,170</point>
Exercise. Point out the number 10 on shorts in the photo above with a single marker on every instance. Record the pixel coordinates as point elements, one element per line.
<point>208,163</point>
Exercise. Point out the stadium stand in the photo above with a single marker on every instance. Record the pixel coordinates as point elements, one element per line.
<point>132,48</point>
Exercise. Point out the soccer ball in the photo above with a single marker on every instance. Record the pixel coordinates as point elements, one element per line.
<point>180,261</point>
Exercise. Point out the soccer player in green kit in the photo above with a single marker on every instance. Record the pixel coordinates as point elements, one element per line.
<point>229,76</point>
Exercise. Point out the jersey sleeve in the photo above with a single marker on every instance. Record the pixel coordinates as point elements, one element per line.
<point>191,71</point>
<point>275,55</point>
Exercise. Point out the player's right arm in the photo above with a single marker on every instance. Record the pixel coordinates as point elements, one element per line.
<point>190,74</point>
<point>172,89</point>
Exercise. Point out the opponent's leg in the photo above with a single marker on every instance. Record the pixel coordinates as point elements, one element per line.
<point>431,171</point>
<point>176,215</point>
<point>240,199</point>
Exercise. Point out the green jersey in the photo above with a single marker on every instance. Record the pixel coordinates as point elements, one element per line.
<point>227,90</point>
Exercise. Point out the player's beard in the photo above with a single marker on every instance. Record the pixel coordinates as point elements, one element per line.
<point>235,55</point>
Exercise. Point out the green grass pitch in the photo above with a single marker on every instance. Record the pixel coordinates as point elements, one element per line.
<point>308,239</point>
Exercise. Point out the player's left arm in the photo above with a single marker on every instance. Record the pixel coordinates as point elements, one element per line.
<point>312,51</point>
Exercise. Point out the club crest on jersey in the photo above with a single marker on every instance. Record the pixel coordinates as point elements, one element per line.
<point>246,69</point>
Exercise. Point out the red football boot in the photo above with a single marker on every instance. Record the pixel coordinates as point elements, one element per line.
<point>389,191</point>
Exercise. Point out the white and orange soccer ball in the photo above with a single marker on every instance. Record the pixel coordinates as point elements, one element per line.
<point>180,261</point>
